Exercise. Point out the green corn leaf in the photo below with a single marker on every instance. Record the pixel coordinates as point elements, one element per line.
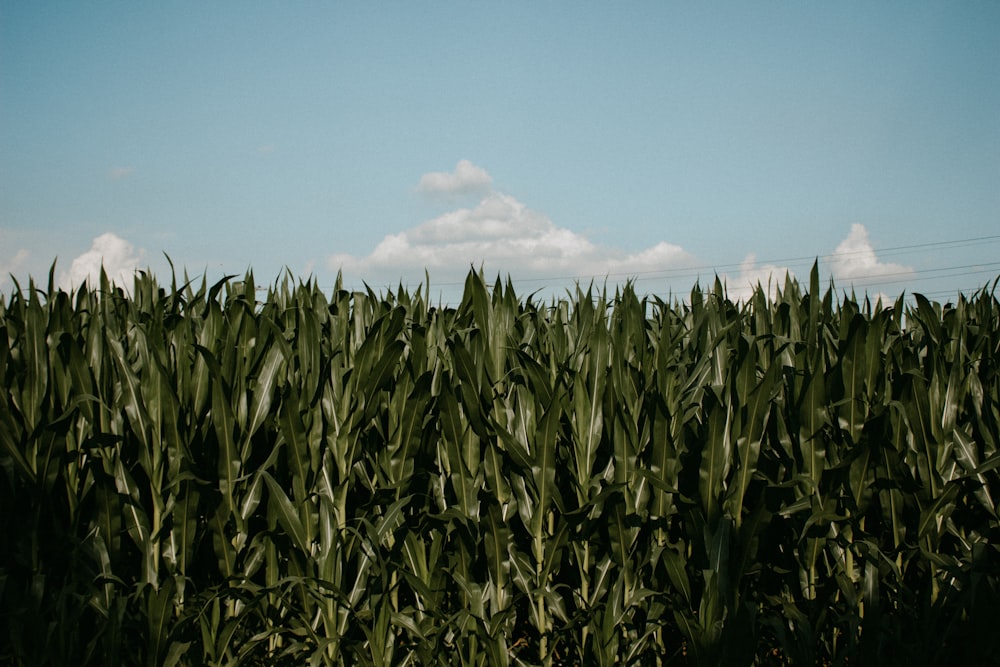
<point>497,537</point>
<point>137,522</point>
<point>861,478</point>
<point>588,407</point>
<point>224,421</point>
<point>813,420</point>
<point>933,516</point>
<point>297,446</point>
<point>543,468</point>
<point>183,534</point>
<point>408,414</point>
<point>159,603</point>
<point>34,351</point>
<point>391,519</point>
<point>928,317</point>
<point>108,519</point>
<point>10,430</point>
<point>462,455</point>
<point>852,412</point>
<point>676,565</point>
<point>922,444</point>
<point>265,387</point>
<point>968,457</point>
<point>135,405</point>
<point>716,458</point>
<point>748,444</point>
<point>285,514</point>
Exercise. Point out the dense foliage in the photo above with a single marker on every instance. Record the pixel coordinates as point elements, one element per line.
<point>190,475</point>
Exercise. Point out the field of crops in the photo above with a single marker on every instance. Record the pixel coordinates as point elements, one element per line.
<point>199,474</point>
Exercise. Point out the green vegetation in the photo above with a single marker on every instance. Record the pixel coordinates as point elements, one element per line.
<point>191,476</point>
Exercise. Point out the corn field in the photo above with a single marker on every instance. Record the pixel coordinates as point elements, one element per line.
<point>194,476</point>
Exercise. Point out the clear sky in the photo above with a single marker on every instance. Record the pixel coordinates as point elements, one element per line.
<point>667,141</point>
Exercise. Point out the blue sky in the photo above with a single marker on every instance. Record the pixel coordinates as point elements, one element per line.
<point>668,141</point>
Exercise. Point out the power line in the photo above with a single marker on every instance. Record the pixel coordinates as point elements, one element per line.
<point>867,281</point>
<point>694,271</point>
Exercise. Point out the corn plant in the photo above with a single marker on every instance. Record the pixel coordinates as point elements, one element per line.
<point>224,475</point>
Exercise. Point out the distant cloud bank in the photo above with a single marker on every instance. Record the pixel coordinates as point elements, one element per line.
<point>500,234</point>
<point>504,236</point>
<point>853,264</point>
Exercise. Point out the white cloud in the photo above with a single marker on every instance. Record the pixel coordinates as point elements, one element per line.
<point>467,179</point>
<point>118,173</point>
<point>769,276</point>
<point>503,236</point>
<point>855,259</point>
<point>118,257</point>
<point>854,264</point>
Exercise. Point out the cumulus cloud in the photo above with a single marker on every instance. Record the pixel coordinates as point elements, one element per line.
<point>855,259</point>
<point>503,236</point>
<point>467,179</point>
<point>854,263</point>
<point>119,258</point>
<point>768,276</point>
